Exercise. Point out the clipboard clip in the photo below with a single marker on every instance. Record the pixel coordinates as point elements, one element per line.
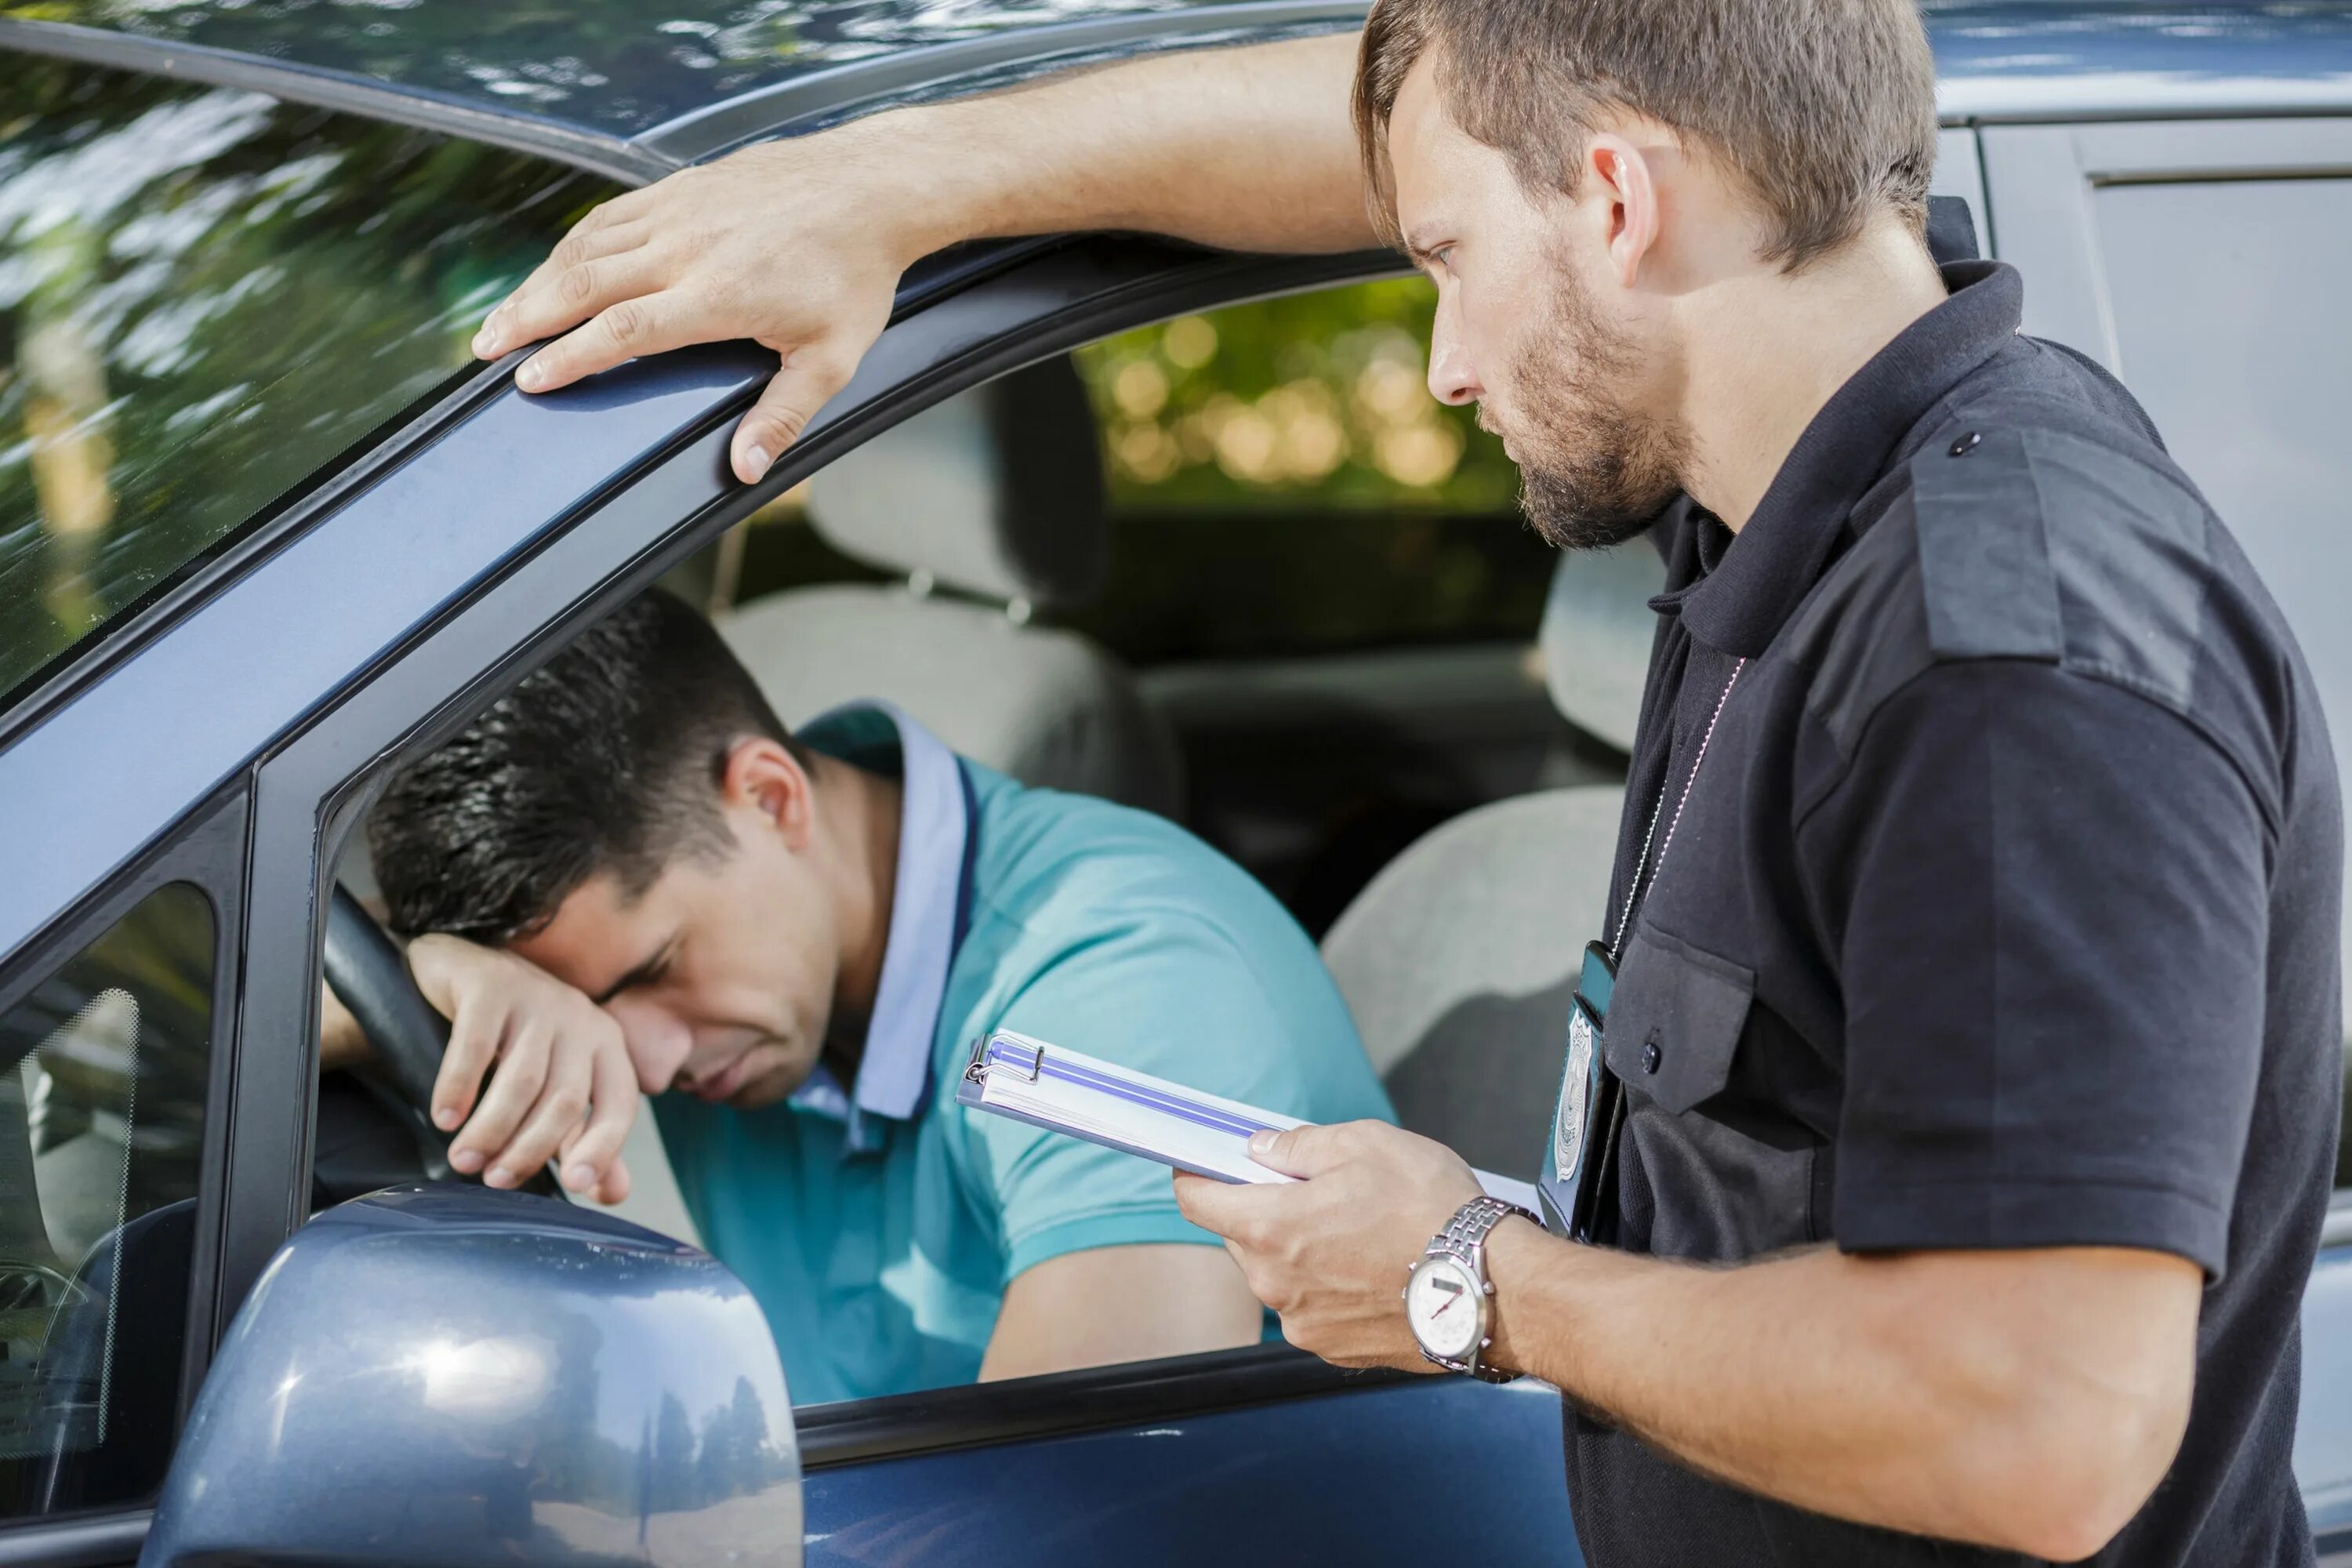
<point>1025,1059</point>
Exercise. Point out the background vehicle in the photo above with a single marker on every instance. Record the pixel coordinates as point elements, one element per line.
<point>264,533</point>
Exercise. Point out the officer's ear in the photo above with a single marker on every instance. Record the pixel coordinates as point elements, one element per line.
<point>1618,171</point>
<point>763,779</point>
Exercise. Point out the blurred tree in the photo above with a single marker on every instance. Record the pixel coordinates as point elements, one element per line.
<point>205,296</point>
<point>1282,482</point>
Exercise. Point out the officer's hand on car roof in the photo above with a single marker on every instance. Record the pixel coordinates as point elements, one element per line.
<point>560,1086</point>
<point>710,253</point>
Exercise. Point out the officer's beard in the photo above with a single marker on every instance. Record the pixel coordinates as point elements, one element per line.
<point>1593,471</point>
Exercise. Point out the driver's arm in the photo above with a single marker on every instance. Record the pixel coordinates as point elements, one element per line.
<point>560,1086</point>
<point>340,1042</point>
<point>1113,1304</point>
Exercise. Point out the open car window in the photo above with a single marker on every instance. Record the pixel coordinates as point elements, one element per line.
<point>205,297</point>
<point>1276,490</point>
<point>1279,482</point>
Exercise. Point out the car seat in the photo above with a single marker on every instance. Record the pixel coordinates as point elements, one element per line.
<point>1460,959</point>
<point>996,494</point>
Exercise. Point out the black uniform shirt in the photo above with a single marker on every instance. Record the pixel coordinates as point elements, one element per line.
<point>2003,912</point>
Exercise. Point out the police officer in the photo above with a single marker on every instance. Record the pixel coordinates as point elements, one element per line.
<point>1948,1114</point>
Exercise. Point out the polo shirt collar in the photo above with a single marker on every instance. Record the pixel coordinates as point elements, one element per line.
<point>927,904</point>
<point>1738,606</point>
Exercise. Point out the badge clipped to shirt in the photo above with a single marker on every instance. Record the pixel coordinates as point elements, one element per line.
<point>1583,1124</point>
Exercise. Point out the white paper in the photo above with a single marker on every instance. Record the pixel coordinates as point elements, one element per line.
<point>1121,1108</point>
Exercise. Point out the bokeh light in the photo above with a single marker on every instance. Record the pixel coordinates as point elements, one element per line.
<point>1319,400</point>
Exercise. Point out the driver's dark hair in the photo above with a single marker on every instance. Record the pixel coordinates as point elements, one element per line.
<point>607,759</point>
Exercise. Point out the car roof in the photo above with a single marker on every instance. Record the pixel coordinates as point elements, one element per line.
<point>641,84</point>
<point>634,87</point>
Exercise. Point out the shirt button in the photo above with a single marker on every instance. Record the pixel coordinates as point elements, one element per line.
<point>1965,444</point>
<point>1652,1056</point>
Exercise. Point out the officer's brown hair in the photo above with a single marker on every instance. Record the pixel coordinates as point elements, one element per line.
<point>1825,109</point>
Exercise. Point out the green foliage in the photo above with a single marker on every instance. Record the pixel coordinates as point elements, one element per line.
<point>1282,482</point>
<point>1310,402</point>
<point>205,296</point>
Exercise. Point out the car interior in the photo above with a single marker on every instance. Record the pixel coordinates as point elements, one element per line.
<point>1430,783</point>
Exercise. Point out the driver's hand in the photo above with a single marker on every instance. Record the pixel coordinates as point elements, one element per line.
<point>561,1084</point>
<point>796,244</point>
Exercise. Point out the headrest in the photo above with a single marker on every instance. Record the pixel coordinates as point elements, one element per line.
<point>997,491</point>
<point>1597,631</point>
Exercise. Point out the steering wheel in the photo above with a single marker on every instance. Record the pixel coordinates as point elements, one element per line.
<point>369,975</point>
<point>27,1287</point>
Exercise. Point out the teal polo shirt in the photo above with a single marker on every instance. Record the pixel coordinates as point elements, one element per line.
<point>878,1223</point>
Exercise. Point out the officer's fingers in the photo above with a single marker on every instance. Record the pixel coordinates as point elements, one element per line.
<point>586,273</point>
<point>1308,1150</point>
<point>648,323</point>
<point>1230,1209</point>
<point>556,1114</point>
<point>596,1142</point>
<point>1196,1198</point>
<point>515,1086</point>
<point>628,210</point>
<point>811,375</point>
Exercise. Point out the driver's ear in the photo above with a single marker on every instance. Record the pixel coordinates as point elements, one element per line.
<point>763,775</point>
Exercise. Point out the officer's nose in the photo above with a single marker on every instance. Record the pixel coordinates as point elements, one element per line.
<point>1453,379</point>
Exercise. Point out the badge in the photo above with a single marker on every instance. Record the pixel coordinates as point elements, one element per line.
<point>1568,1122</point>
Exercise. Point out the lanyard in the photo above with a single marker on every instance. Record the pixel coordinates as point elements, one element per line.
<point>1633,888</point>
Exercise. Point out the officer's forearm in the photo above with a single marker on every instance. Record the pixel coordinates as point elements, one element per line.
<point>2023,1400</point>
<point>1251,148</point>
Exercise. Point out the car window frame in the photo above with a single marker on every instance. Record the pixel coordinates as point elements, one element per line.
<point>204,850</point>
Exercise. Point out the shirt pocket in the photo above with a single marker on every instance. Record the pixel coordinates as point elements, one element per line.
<point>1674,1019</point>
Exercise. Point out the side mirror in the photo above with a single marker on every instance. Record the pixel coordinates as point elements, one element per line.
<point>438,1377</point>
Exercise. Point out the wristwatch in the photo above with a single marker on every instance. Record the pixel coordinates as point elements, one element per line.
<point>1448,1298</point>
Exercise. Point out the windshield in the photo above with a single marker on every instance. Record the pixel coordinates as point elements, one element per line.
<point>205,298</point>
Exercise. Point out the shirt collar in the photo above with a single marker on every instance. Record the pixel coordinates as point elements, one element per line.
<point>926,909</point>
<point>1740,605</point>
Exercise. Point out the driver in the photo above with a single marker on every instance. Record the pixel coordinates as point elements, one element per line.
<point>628,873</point>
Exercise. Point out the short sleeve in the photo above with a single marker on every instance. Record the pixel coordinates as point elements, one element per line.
<point>2048,900</point>
<point>1169,994</point>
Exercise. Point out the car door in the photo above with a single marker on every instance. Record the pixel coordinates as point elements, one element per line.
<point>2201,260</point>
<point>1121,1462</point>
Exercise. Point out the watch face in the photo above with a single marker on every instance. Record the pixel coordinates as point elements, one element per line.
<point>1443,1305</point>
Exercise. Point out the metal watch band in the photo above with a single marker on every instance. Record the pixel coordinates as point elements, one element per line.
<point>1465,1233</point>
<point>1464,1236</point>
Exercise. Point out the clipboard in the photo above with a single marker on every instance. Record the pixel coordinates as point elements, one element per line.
<point>1070,1092</point>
